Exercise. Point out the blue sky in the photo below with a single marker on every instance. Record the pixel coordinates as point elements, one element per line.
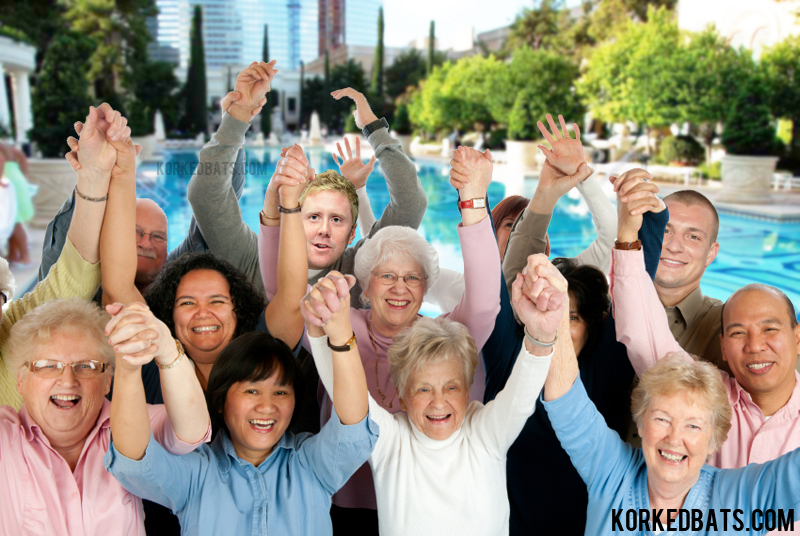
<point>407,20</point>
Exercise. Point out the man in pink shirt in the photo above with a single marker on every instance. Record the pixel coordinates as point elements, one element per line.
<point>760,341</point>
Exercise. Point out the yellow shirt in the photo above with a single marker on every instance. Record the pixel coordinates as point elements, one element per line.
<point>70,277</point>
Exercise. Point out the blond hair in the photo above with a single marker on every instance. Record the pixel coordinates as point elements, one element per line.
<point>431,341</point>
<point>672,375</point>
<point>7,283</point>
<point>74,316</point>
<point>332,181</point>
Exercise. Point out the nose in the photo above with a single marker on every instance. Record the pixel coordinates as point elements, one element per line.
<point>265,405</point>
<point>754,343</point>
<point>144,241</point>
<point>438,398</point>
<point>203,309</point>
<point>673,242</point>
<point>324,228</point>
<point>67,378</point>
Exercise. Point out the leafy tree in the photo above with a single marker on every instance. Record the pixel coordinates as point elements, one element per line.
<point>425,108</point>
<point>376,88</point>
<point>632,78</point>
<point>40,20</point>
<point>782,67</point>
<point>61,92</point>
<point>432,47</point>
<point>749,129</point>
<point>709,74</point>
<point>196,112</point>
<point>611,16</point>
<point>534,83</point>
<point>313,97</point>
<point>540,27</point>
<point>408,69</point>
<point>154,89</point>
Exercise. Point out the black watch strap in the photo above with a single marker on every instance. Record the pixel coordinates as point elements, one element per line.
<point>375,125</point>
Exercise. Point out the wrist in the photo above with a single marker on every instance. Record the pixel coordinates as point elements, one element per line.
<point>542,203</point>
<point>241,112</point>
<point>627,235</point>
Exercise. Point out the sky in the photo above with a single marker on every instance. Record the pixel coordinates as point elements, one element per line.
<point>407,20</point>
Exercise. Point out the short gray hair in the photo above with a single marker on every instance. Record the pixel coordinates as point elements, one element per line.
<point>72,315</point>
<point>674,374</point>
<point>7,283</point>
<point>395,243</point>
<point>430,341</point>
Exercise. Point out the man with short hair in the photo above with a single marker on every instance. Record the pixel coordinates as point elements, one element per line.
<point>690,245</point>
<point>329,216</point>
<point>760,341</point>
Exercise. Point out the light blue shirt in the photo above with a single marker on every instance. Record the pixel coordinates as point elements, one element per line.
<point>616,476</point>
<point>213,491</point>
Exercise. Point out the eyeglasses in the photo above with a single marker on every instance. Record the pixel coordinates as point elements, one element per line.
<point>48,368</point>
<point>155,236</point>
<point>389,278</point>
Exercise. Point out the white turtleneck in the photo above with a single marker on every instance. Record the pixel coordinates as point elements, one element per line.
<point>456,485</point>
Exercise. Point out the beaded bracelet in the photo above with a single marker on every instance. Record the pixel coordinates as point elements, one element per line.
<point>94,199</point>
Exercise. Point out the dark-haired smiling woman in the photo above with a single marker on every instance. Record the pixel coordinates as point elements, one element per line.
<point>255,478</point>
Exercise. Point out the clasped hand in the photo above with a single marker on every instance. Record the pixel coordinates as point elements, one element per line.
<point>539,295</point>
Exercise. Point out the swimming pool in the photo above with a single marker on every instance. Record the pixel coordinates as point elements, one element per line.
<point>750,250</point>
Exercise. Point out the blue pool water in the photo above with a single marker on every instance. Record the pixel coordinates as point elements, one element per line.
<point>750,250</point>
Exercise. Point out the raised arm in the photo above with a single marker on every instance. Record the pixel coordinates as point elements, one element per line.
<point>408,201</point>
<point>326,310</point>
<point>641,321</point>
<point>480,303</point>
<point>282,314</point>
<point>139,337</point>
<point>211,195</point>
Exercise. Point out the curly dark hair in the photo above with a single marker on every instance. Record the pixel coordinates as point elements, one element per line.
<point>252,357</point>
<point>588,289</point>
<point>160,295</point>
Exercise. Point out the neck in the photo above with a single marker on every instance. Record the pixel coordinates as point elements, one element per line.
<point>384,329</point>
<point>669,496</point>
<point>70,452</point>
<point>203,371</point>
<point>672,296</point>
<point>770,402</point>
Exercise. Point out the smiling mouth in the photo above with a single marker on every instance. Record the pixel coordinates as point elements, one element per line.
<point>205,329</point>
<point>321,246</point>
<point>760,368</point>
<point>261,425</point>
<point>670,262</point>
<point>673,458</point>
<point>398,303</point>
<point>65,401</point>
<point>438,419</point>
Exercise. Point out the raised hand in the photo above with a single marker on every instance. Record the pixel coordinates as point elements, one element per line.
<point>352,168</point>
<point>139,336</point>
<point>327,306</point>
<point>119,145</point>
<point>471,172</point>
<point>235,96</point>
<point>252,85</point>
<point>363,114</point>
<point>635,196</point>
<point>97,156</point>
<point>554,183</point>
<point>539,296</point>
<point>292,174</point>
<point>566,154</point>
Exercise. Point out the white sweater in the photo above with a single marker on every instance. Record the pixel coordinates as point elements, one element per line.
<point>458,485</point>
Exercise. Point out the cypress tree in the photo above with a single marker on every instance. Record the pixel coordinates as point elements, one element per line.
<point>431,48</point>
<point>196,119</point>
<point>377,63</point>
<point>266,112</point>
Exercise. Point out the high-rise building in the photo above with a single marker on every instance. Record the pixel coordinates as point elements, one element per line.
<point>350,22</point>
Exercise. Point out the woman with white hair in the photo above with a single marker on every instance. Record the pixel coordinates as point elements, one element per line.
<point>439,466</point>
<point>395,268</point>
<point>77,272</point>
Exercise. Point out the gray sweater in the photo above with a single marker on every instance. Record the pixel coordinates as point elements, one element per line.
<point>219,218</point>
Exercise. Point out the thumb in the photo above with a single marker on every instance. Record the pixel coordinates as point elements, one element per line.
<point>488,155</point>
<point>351,280</point>
<point>114,308</point>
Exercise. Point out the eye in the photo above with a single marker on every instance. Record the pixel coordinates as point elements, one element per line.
<point>694,237</point>
<point>453,388</point>
<point>84,366</point>
<point>386,277</point>
<point>413,278</point>
<point>282,393</point>
<point>694,427</point>
<point>157,236</point>
<point>251,391</point>
<point>423,389</point>
<point>313,217</point>
<point>337,220</point>
<point>187,302</point>
<point>574,318</point>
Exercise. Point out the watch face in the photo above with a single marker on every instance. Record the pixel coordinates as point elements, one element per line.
<point>479,203</point>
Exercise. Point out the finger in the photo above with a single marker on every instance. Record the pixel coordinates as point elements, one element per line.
<point>73,143</point>
<point>347,146</point>
<point>371,163</point>
<point>138,149</point>
<point>564,130</point>
<point>309,315</point>
<point>642,190</point>
<point>336,160</point>
<point>545,133</point>
<point>577,131</point>
<point>455,176</point>
<point>91,122</point>
<point>458,185</point>
<point>342,286</point>
<point>72,160</point>
<point>487,155</point>
<point>516,291</point>
<point>78,127</point>
<point>553,127</point>
<point>339,148</point>
<point>583,173</point>
<point>547,153</point>
<point>321,311</point>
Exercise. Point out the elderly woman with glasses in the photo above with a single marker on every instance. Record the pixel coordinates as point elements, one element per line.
<point>439,466</point>
<point>682,410</point>
<point>395,268</point>
<point>52,478</point>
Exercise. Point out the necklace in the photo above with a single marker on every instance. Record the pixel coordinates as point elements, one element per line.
<point>375,350</point>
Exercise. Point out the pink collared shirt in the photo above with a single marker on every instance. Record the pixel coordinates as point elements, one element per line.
<point>642,326</point>
<point>42,496</point>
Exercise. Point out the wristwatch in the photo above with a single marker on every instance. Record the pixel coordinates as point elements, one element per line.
<point>627,246</point>
<point>294,210</point>
<point>375,125</point>
<point>478,202</point>
<point>349,345</point>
